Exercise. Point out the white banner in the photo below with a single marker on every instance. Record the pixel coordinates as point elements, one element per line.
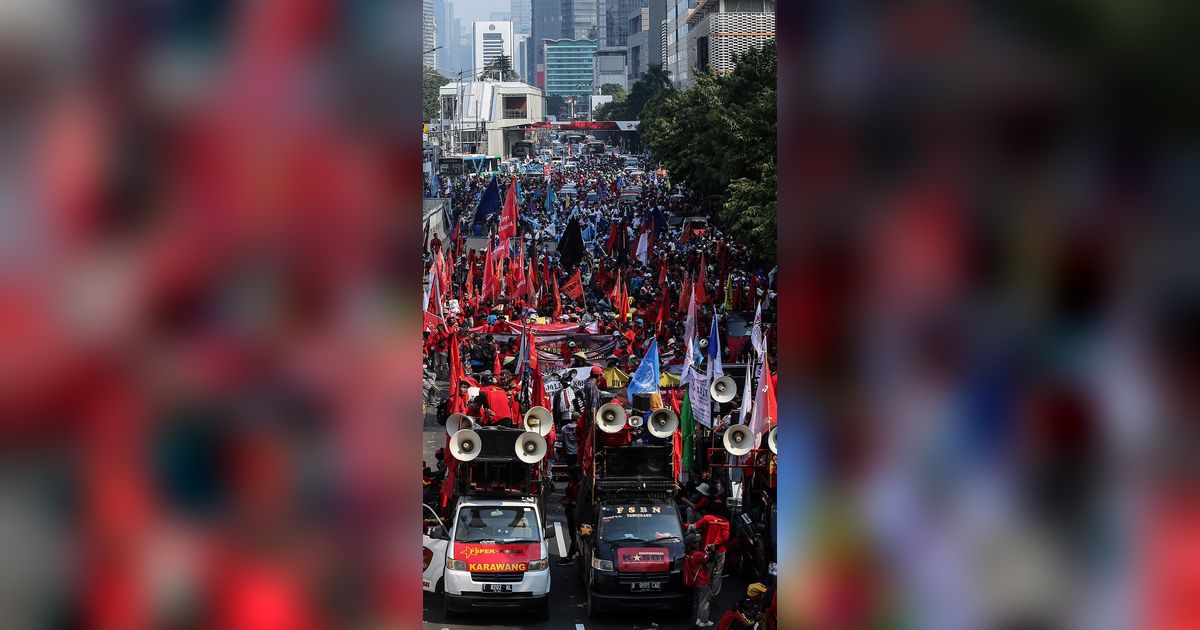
<point>579,376</point>
<point>700,400</point>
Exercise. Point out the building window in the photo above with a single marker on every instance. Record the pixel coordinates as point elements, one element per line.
<point>515,107</point>
<point>702,53</point>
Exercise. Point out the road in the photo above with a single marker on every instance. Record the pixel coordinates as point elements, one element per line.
<point>566,590</point>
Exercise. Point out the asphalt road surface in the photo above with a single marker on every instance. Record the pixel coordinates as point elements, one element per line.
<point>567,595</point>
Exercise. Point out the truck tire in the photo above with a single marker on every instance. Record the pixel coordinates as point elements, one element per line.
<point>447,611</point>
<point>541,611</point>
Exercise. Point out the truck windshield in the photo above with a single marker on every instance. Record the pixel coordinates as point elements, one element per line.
<point>500,525</point>
<point>639,523</point>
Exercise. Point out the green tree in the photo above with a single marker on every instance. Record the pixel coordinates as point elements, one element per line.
<point>500,69</point>
<point>719,137</point>
<point>555,105</point>
<point>431,82</point>
<point>614,90</point>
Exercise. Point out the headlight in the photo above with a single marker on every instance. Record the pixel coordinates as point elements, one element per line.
<point>539,565</point>
<point>602,565</point>
<point>456,565</point>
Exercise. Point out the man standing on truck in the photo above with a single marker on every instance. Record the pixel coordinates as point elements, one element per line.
<point>697,567</point>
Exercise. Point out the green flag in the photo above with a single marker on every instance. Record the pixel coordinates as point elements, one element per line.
<point>687,433</point>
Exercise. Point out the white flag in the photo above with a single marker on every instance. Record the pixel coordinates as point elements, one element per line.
<point>756,332</point>
<point>643,247</point>
<point>757,421</point>
<point>689,339</point>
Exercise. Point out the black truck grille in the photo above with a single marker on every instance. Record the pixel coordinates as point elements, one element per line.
<point>497,577</point>
<point>629,578</point>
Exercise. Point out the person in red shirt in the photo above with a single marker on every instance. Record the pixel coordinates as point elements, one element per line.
<point>738,617</point>
<point>497,407</point>
<point>714,532</point>
<point>697,575</point>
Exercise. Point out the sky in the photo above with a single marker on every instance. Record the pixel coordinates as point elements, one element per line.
<point>478,10</point>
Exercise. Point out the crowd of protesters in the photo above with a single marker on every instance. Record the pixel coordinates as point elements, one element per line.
<point>602,250</point>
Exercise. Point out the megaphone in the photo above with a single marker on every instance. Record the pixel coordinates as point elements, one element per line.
<point>771,440</point>
<point>738,440</point>
<point>636,421</point>
<point>531,448</point>
<point>457,422</point>
<point>538,420</point>
<point>723,389</point>
<point>464,445</point>
<point>662,423</point>
<point>610,417</point>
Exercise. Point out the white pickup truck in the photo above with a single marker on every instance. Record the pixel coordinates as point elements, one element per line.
<point>494,556</point>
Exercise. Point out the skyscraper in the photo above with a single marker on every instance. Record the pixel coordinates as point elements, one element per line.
<point>718,31</point>
<point>547,21</point>
<point>492,40</point>
<point>520,10</point>
<point>428,35</point>
<point>676,52</point>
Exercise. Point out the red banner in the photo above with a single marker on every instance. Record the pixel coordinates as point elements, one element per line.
<point>643,560</point>
<point>497,558</point>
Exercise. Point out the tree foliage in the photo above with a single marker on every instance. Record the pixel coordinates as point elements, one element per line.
<point>555,105</point>
<point>500,69</point>
<point>431,82</point>
<point>614,90</point>
<point>655,82</point>
<point>719,137</point>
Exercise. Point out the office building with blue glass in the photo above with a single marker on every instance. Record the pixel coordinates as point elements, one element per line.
<point>570,64</point>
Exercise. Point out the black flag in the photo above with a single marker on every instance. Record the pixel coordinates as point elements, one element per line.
<point>570,246</point>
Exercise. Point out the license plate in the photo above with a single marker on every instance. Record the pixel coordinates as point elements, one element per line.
<point>639,587</point>
<point>497,588</point>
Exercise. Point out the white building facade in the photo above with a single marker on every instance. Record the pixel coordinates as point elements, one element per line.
<point>480,117</point>
<point>490,40</point>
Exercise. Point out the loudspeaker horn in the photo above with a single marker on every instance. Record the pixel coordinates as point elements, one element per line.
<point>636,421</point>
<point>457,422</point>
<point>771,437</point>
<point>531,447</point>
<point>738,440</point>
<point>464,445</point>
<point>539,420</point>
<point>723,389</point>
<point>610,417</point>
<point>662,423</point>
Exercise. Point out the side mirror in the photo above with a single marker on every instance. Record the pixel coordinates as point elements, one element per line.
<point>439,532</point>
<point>550,533</point>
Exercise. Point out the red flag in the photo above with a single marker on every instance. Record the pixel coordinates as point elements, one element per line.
<point>508,218</point>
<point>489,270</point>
<point>613,232</point>
<point>616,292</point>
<point>545,272</point>
<point>701,294</point>
<point>530,283</point>
<point>557,302</point>
<point>574,287</point>
<point>662,275</point>
<point>684,296</point>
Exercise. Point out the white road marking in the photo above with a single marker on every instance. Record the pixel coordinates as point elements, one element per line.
<point>578,626</point>
<point>558,537</point>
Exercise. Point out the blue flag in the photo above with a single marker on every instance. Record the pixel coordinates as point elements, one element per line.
<point>489,203</point>
<point>714,351</point>
<point>645,379</point>
<point>551,198</point>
